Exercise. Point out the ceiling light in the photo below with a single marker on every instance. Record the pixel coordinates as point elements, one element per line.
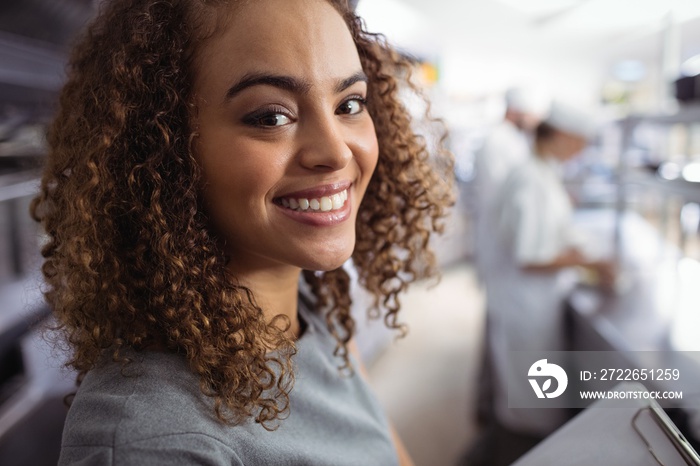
<point>691,172</point>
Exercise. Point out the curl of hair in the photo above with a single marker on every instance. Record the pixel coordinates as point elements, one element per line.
<point>131,261</point>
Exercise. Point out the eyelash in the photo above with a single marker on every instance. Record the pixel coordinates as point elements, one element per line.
<point>358,98</point>
<point>255,118</point>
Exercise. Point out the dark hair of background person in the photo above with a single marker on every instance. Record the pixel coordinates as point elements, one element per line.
<point>131,260</point>
<point>544,131</point>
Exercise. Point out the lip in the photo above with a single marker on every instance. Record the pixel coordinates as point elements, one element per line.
<point>318,191</point>
<point>318,218</point>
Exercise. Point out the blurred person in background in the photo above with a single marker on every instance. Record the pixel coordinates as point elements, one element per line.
<point>507,145</point>
<point>533,270</point>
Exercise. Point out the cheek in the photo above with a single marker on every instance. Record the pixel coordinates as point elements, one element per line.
<point>368,150</point>
<point>232,181</point>
<point>573,148</point>
<point>237,164</point>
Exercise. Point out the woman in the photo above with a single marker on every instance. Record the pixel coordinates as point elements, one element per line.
<point>206,153</point>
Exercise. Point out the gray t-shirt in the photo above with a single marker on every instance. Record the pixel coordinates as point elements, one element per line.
<point>160,417</point>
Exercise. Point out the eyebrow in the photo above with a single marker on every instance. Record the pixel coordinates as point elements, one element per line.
<point>360,76</point>
<point>288,83</point>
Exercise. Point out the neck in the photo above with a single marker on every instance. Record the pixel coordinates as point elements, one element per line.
<point>275,290</point>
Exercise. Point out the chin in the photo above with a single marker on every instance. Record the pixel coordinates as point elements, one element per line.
<point>328,255</point>
<point>328,261</point>
<point>327,266</point>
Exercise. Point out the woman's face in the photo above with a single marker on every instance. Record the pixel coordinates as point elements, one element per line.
<point>286,145</point>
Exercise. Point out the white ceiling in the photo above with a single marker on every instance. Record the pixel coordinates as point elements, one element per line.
<point>507,35</point>
<point>561,26</point>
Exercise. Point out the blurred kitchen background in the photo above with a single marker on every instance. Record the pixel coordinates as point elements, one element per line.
<point>633,64</point>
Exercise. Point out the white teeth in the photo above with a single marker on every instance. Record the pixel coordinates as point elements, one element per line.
<point>324,204</point>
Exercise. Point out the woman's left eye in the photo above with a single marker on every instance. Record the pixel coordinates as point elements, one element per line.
<point>351,106</point>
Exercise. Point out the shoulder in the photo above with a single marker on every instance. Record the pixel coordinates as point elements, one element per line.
<point>151,408</point>
<point>501,136</point>
<point>523,176</point>
<point>185,449</point>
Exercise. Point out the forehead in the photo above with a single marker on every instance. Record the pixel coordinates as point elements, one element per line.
<point>307,38</point>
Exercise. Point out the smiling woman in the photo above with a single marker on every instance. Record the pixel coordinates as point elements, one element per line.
<point>283,125</point>
<point>213,166</point>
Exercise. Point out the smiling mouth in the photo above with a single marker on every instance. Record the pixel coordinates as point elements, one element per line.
<point>320,204</point>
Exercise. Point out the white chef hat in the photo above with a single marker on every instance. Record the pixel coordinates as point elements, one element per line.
<point>527,100</point>
<point>571,120</point>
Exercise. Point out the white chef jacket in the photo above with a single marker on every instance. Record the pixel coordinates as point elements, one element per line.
<point>533,226</point>
<point>504,148</point>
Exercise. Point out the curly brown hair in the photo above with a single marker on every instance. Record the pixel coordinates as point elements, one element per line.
<point>131,260</point>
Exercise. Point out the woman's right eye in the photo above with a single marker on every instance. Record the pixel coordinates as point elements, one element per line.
<point>267,118</point>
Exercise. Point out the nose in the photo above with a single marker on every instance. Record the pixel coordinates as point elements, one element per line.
<point>325,146</point>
